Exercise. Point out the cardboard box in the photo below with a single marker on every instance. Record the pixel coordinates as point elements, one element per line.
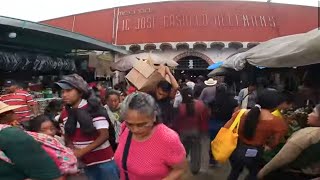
<point>145,77</point>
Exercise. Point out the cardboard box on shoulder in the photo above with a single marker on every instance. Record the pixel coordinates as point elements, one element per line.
<point>145,77</point>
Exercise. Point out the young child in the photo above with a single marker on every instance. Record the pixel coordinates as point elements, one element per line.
<point>43,124</point>
<point>113,108</point>
<point>62,156</point>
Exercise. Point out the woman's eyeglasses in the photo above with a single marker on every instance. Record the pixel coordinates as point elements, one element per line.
<point>140,125</point>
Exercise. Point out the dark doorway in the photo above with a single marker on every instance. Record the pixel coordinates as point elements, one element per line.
<point>191,67</point>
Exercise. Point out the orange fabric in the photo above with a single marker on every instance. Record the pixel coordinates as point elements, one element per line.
<point>268,132</point>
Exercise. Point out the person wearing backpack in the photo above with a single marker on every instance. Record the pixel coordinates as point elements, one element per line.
<point>88,130</point>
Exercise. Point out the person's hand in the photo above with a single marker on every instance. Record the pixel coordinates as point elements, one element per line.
<point>162,67</point>
<point>78,153</point>
<point>167,70</point>
<point>260,175</point>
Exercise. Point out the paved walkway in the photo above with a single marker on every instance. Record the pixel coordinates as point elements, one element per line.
<point>217,173</point>
<point>206,173</point>
<point>214,173</point>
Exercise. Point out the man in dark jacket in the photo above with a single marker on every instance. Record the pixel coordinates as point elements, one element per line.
<point>198,88</point>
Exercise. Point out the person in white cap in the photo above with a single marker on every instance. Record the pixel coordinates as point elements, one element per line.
<point>209,93</point>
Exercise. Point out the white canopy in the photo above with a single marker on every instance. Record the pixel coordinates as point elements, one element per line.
<point>288,51</point>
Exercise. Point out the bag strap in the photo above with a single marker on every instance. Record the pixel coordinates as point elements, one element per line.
<point>236,122</point>
<point>125,155</point>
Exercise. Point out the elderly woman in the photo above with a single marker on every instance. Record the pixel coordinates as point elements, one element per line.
<point>27,158</point>
<point>147,148</point>
<point>299,158</point>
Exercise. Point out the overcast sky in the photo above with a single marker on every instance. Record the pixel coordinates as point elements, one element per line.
<point>37,10</point>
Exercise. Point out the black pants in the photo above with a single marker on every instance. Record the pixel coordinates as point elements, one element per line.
<point>192,144</point>
<point>239,161</point>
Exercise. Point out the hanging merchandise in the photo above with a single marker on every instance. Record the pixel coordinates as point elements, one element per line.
<point>17,61</point>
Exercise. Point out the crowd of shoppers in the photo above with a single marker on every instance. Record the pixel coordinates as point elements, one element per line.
<point>133,135</point>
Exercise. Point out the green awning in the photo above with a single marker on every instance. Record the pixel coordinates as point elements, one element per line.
<point>31,35</point>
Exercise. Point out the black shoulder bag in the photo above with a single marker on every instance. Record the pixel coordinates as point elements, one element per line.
<point>125,155</point>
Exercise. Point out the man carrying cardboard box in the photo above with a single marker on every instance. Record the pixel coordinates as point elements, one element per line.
<point>163,93</point>
<point>157,81</point>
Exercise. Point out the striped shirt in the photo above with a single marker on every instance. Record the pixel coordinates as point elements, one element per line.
<point>101,154</point>
<point>20,98</point>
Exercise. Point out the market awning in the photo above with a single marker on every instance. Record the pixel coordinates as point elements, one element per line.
<point>16,33</point>
<point>288,51</point>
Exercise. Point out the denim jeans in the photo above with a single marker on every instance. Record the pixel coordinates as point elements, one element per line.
<point>103,171</point>
<point>239,161</point>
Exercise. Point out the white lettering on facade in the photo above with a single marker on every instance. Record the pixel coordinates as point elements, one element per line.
<point>245,21</point>
<point>146,21</point>
<point>263,21</point>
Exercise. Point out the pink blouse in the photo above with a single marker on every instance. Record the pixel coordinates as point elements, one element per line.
<point>151,159</point>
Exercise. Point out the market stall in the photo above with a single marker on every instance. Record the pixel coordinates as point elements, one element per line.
<point>37,55</point>
<point>292,62</point>
<point>283,52</point>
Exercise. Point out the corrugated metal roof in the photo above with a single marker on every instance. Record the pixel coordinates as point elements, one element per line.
<point>44,37</point>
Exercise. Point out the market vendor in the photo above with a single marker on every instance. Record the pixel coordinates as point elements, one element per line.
<point>15,95</point>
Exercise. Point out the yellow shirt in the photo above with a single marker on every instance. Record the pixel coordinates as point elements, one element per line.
<point>277,113</point>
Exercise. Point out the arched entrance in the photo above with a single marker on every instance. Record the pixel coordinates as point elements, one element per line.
<point>191,65</point>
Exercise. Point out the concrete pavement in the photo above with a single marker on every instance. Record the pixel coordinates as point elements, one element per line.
<point>216,173</point>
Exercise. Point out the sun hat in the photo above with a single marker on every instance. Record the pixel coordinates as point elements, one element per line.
<point>5,107</point>
<point>210,82</point>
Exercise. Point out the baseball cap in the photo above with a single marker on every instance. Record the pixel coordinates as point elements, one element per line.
<point>74,81</point>
<point>9,82</point>
<point>64,85</point>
